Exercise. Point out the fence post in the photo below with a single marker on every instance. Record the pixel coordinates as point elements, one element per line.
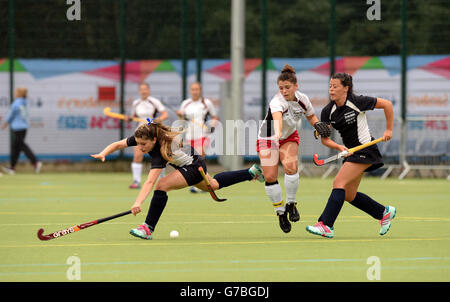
<point>183,49</point>
<point>122,69</point>
<point>198,40</point>
<point>11,63</point>
<point>263,58</point>
<point>404,97</point>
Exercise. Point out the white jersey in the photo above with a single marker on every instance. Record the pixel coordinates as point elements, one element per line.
<point>197,112</point>
<point>147,108</point>
<point>291,113</point>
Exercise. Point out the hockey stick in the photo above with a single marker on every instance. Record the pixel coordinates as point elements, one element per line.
<point>208,185</point>
<point>321,162</point>
<point>77,228</point>
<point>107,112</point>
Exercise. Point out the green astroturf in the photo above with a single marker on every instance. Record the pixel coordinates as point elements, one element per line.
<point>237,240</point>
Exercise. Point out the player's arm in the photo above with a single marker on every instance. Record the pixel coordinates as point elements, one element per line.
<point>277,123</point>
<point>146,189</point>
<point>326,141</point>
<point>111,148</point>
<point>312,119</point>
<point>389,114</point>
<point>164,116</point>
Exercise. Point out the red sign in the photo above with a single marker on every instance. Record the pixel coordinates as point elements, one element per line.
<point>106,93</point>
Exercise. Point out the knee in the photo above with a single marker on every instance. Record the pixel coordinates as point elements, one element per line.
<point>161,186</point>
<point>338,184</point>
<point>270,177</point>
<point>290,169</point>
<point>138,158</point>
<point>350,195</point>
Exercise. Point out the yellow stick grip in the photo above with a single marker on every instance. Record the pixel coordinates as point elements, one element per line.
<point>357,148</point>
<point>200,169</point>
<point>107,112</point>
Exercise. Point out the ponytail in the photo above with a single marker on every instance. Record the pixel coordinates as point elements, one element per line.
<point>167,137</point>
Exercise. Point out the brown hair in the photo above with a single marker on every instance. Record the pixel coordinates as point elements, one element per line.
<point>21,92</point>
<point>287,74</point>
<point>144,84</point>
<point>165,136</point>
<point>346,81</point>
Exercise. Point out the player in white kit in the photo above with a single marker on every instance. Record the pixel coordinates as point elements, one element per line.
<point>144,107</point>
<point>278,141</point>
<point>197,110</point>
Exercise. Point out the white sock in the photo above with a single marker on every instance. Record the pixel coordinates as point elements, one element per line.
<point>276,197</point>
<point>136,169</point>
<point>291,187</point>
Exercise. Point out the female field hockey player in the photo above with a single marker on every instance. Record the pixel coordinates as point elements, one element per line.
<point>347,114</point>
<point>278,141</point>
<point>197,110</point>
<point>145,106</point>
<point>163,145</point>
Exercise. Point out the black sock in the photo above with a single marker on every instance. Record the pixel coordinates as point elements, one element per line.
<point>368,205</point>
<point>229,178</point>
<point>156,208</point>
<point>333,207</point>
<point>271,183</point>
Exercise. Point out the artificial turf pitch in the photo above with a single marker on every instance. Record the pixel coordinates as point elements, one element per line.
<point>237,240</point>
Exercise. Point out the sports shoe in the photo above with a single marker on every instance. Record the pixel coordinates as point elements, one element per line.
<point>142,232</point>
<point>135,185</point>
<point>321,229</point>
<point>257,173</point>
<point>10,171</point>
<point>285,225</point>
<point>385,222</point>
<point>292,211</point>
<point>37,167</point>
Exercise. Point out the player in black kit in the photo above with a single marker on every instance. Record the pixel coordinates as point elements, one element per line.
<point>164,145</point>
<point>347,114</point>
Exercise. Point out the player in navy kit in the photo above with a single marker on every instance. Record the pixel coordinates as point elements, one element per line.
<point>164,146</point>
<point>347,114</point>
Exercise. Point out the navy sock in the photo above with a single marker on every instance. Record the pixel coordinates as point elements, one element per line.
<point>271,183</point>
<point>368,205</point>
<point>156,208</point>
<point>333,207</point>
<point>229,178</point>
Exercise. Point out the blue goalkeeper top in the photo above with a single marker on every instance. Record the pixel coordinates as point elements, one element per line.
<point>18,115</point>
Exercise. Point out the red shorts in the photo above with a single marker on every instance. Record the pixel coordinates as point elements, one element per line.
<point>199,143</point>
<point>265,144</point>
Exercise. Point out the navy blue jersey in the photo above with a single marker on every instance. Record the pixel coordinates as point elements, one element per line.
<point>350,119</point>
<point>181,157</point>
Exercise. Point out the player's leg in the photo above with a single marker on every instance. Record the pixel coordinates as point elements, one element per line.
<point>197,144</point>
<point>348,173</point>
<point>136,168</point>
<point>173,181</point>
<point>26,150</point>
<point>229,178</point>
<point>366,204</point>
<point>269,158</point>
<point>16,148</point>
<point>289,160</point>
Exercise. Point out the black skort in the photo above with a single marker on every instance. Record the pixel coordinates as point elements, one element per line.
<point>369,155</point>
<point>191,173</point>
